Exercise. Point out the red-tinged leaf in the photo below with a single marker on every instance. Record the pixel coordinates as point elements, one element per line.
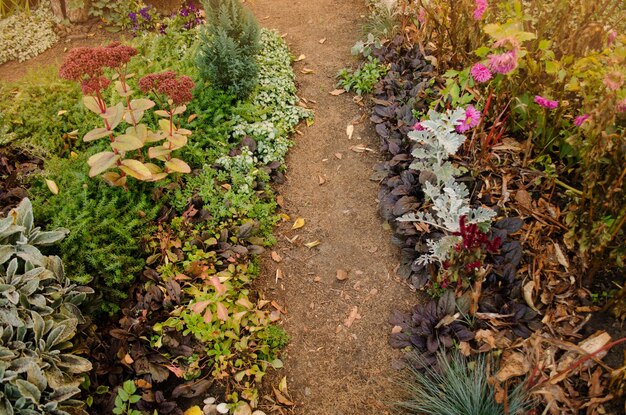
<point>114,178</point>
<point>154,169</point>
<point>175,141</point>
<point>208,316</point>
<point>154,136</point>
<point>192,117</point>
<point>178,166</point>
<point>176,371</point>
<point>244,302</point>
<point>222,312</point>
<point>184,131</point>
<point>200,306</point>
<point>158,152</point>
<point>140,131</point>
<point>141,104</point>
<point>136,169</point>
<point>180,109</point>
<point>126,142</point>
<point>162,113</point>
<point>102,161</point>
<point>92,104</point>
<point>116,118</point>
<point>119,88</point>
<point>95,134</point>
<point>133,117</point>
<point>219,287</point>
<point>164,125</point>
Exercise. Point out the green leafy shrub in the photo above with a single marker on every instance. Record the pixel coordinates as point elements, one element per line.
<point>363,79</point>
<point>230,42</point>
<point>25,35</point>
<point>39,316</point>
<point>106,226</point>
<point>458,387</point>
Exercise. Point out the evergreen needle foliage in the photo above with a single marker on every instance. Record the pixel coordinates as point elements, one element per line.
<point>230,43</point>
<point>458,387</point>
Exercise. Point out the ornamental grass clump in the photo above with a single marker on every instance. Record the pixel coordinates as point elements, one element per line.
<point>459,386</point>
<point>89,67</point>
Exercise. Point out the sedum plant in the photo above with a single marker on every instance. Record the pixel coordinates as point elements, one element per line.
<point>38,317</point>
<point>127,155</point>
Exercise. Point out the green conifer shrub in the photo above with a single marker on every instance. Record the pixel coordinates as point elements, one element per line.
<point>230,43</point>
<point>106,224</point>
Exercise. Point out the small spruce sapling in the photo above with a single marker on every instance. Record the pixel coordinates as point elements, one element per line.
<point>230,44</point>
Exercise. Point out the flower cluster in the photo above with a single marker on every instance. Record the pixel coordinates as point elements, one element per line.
<point>86,65</point>
<point>473,238</point>
<point>546,103</point>
<point>480,73</point>
<point>472,118</point>
<point>505,62</point>
<point>578,121</point>
<point>176,88</point>
<point>479,11</point>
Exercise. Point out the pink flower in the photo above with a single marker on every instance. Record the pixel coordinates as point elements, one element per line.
<point>503,63</point>
<point>479,11</point>
<point>421,17</point>
<point>611,38</point>
<point>621,106</point>
<point>480,73</point>
<point>177,88</point>
<point>578,121</point>
<point>472,118</point>
<point>418,126</point>
<point>614,80</point>
<point>546,103</point>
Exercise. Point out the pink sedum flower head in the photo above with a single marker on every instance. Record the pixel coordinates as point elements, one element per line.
<point>472,118</point>
<point>480,73</point>
<point>578,121</point>
<point>546,103</point>
<point>479,11</point>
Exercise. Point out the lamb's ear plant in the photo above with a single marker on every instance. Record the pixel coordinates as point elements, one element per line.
<point>459,386</point>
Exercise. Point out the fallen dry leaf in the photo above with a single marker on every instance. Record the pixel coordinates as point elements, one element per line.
<point>322,40</point>
<point>514,364</point>
<point>361,148</point>
<point>54,189</point>
<point>312,244</point>
<point>317,278</point>
<point>396,329</point>
<point>339,155</point>
<point>192,117</point>
<point>560,256</point>
<point>350,131</point>
<point>298,223</point>
<point>276,257</point>
<point>307,71</point>
<point>523,198</point>
<point>279,274</point>
<point>342,274</point>
<point>336,92</point>
<point>61,112</point>
<point>300,58</point>
<point>321,180</point>
<point>281,398</point>
<point>354,315</point>
<point>280,201</point>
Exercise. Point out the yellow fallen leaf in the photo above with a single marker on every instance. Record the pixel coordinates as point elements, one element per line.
<point>73,154</point>
<point>307,71</point>
<point>312,244</point>
<point>298,223</point>
<point>322,40</point>
<point>300,58</point>
<point>285,217</point>
<point>54,189</point>
<point>62,112</point>
<point>194,410</point>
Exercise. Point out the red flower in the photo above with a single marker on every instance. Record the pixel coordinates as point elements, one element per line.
<point>178,89</point>
<point>81,63</point>
<point>94,85</point>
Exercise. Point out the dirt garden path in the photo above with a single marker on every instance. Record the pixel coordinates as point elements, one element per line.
<point>332,369</point>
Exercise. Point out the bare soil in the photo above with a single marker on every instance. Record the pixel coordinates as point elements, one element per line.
<point>332,369</point>
<point>338,361</point>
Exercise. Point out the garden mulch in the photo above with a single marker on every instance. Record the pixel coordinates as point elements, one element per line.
<point>338,361</point>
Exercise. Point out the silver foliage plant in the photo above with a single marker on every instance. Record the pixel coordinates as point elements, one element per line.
<point>438,140</point>
<point>39,316</point>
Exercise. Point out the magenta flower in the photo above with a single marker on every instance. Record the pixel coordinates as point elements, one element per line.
<point>503,63</point>
<point>480,73</point>
<point>546,103</point>
<point>479,11</point>
<point>472,118</point>
<point>418,126</point>
<point>578,121</point>
<point>421,17</point>
<point>611,38</point>
<point>621,106</point>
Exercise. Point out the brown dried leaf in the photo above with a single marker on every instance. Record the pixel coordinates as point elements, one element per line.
<point>354,315</point>
<point>342,274</point>
<point>307,71</point>
<point>276,257</point>
<point>312,244</point>
<point>523,198</point>
<point>322,40</point>
<point>514,364</point>
<point>339,155</point>
<point>350,131</point>
<point>320,180</point>
<point>336,92</point>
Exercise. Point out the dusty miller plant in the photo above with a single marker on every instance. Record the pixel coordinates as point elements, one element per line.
<point>438,140</point>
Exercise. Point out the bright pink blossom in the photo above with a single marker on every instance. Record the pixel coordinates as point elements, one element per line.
<point>546,103</point>
<point>621,106</point>
<point>611,38</point>
<point>503,63</point>
<point>421,17</point>
<point>178,89</point>
<point>479,11</point>
<point>578,121</point>
<point>480,73</point>
<point>418,126</point>
<point>472,118</point>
